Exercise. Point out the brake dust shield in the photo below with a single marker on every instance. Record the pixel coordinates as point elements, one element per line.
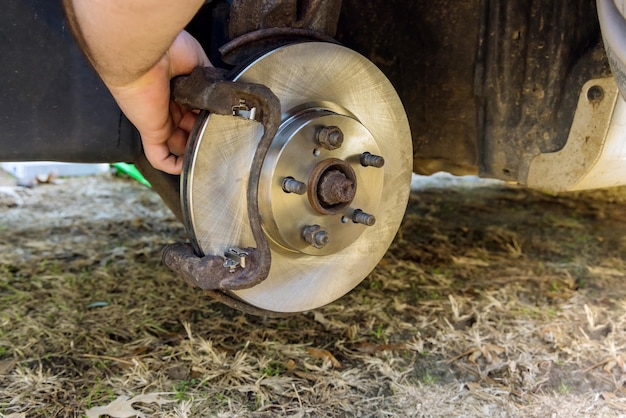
<point>330,205</point>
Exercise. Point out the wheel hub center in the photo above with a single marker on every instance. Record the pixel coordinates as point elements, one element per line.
<point>332,186</point>
<point>335,188</point>
<point>316,194</point>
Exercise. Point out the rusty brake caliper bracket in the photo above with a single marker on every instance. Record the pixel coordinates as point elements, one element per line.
<point>208,89</point>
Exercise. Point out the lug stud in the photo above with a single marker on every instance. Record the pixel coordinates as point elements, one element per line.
<point>330,137</point>
<point>315,235</point>
<point>370,160</point>
<point>291,185</point>
<point>360,217</point>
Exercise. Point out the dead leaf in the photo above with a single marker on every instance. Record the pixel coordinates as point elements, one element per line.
<point>325,356</point>
<point>122,407</point>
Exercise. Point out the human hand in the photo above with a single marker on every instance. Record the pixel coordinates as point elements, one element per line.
<point>164,125</point>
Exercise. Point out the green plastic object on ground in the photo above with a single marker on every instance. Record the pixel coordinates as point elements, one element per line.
<point>131,171</point>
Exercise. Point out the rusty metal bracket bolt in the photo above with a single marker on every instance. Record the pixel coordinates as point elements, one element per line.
<point>330,137</point>
<point>316,236</point>
<point>207,89</point>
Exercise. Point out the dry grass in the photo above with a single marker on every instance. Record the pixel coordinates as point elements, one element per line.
<point>491,302</point>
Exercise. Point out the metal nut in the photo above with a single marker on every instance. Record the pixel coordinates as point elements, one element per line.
<point>335,188</point>
<point>315,235</point>
<point>330,137</point>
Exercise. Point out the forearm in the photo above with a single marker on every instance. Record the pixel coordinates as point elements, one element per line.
<point>125,38</point>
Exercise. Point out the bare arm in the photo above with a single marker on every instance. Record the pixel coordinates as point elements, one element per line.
<point>137,46</point>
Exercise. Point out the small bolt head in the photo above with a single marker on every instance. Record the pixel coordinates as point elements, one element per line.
<point>316,236</point>
<point>330,137</point>
<point>321,239</point>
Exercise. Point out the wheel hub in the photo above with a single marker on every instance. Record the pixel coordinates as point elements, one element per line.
<point>337,184</point>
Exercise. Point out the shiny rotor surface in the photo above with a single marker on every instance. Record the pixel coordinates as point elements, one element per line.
<point>216,176</point>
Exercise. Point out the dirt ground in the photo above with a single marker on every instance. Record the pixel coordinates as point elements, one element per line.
<point>492,301</point>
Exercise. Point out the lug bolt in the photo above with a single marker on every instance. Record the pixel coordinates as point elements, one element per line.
<point>360,217</point>
<point>315,236</point>
<point>371,160</point>
<point>330,137</point>
<point>291,185</point>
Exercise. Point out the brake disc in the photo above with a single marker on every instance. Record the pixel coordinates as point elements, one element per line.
<point>334,184</point>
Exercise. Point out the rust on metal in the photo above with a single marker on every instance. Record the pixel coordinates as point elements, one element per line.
<point>251,15</point>
<point>330,137</point>
<point>332,186</point>
<point>259,25</point>
<point>315,235</point>
<point>335,188</point>
<point>207,89</point>
<point>253,43</point>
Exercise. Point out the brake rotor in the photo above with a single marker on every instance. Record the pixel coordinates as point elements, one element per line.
<point>334,185</point>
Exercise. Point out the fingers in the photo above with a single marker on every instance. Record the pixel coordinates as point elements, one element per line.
<point>162,159</point>
<point>184,55</point>
<point>164,125</point>
<point>168,156</point>
<point>187,121</point>
<point>177,143</point>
